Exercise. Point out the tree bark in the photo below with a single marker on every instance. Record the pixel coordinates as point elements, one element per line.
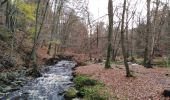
<point>59,9</point>
<point>53,28</point>
<point>109,48</point>
<point>147,55</point>
<point>128,74</point>
<point>38,30</point>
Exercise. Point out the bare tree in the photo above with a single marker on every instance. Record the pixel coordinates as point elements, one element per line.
<point>110,32</point>
<point>38,29</point>
<point>122,41</point>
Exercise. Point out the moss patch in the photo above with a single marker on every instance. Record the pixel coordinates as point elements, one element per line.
<point>90,89</point>
<point>82,81</point>
<point>71,93</point>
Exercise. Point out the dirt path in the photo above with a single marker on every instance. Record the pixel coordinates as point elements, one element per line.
<point>148,84</point>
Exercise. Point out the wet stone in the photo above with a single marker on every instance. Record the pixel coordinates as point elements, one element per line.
<point>166,92</point>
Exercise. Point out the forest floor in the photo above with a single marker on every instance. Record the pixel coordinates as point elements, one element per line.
<point>147,84</point>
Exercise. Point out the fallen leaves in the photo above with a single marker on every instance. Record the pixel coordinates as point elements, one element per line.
<point>148,84</point>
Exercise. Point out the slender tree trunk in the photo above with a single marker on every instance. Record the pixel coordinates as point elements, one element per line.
<point>115,46</point>
<point>10,22</point>
<point>132,39</point>
<point>127,32</point>
<point>38,30</point>
<point>155,29</point>
<point>97,36</point>
<point>3,2</point>
<point>7,14</point>
<point>57,25</point>
<point>53,27</point>
<point>122,41</point>
<point>109,48</point>
<point>147,56</point>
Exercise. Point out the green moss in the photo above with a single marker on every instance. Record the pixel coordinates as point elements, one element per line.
<point>3,76</point>
<point>93,92</point>
<point>11,76</point>
<point>1,89</point>
<point>139,61</point>
<point>90,89</point>
<point>82,81</point>
<point>4,33</point>
<point>71,93</point>
<point>117,62</point>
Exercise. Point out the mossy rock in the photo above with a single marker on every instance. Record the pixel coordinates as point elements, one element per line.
<point>11,76</point>
<point>3,76</point>
<point>1,89</point>
<point>4,34</point>
<point>4,79</point>
<point>20,83</point>
<point>1,66</point>
<point>34,73</point>
<point>71,93</point>
<point>166,92</point>
<point>1,94</point>
<point>8,62</point>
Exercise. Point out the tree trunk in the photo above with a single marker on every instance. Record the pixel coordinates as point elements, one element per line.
<point>115,44</point>
<point>59,9</point>
<point>38,30</point>
<point>97,36</point>
<point>127,33</point>
<point>109,49</point>
<point>122,41</point>
<point>147,55</point>
<point>132,39</point>
<point>53,28</point>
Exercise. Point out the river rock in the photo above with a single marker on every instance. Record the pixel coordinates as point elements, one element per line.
<point>20,83</point>
<point>1,66</point>
<point>1,89</point>
<point>4,79</point>
<point>11,76</point>
<point>14,84</point>
<point>168,75</point>
<point>8,63</point>
<point>166,92</point>
<point>34,73</point>
<point>1,94</point>
<point>9,89</point>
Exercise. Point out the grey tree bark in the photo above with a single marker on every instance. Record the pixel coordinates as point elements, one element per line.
<point>128,74</point>
<point>110,32</point>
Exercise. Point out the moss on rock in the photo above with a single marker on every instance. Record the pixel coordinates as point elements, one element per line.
<point>71,93</point>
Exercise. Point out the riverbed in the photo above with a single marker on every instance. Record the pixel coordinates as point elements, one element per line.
<point>54,81</point>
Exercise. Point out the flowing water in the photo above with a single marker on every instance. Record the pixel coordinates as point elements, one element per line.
<point>50,86</point>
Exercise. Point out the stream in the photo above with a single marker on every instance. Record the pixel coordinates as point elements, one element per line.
<point>54,81</point>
